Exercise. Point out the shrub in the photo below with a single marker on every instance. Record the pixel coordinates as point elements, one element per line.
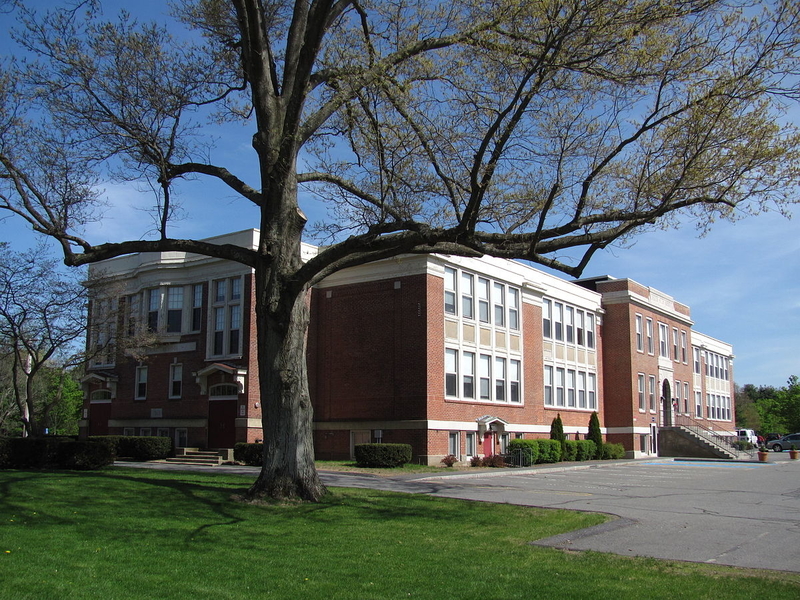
<point>85,455</point>
<point>613,451</point>
<point>570,450</point>
<point>144,447</point>
<point>250,454</point>
<point>475,461</point>
<point>110,441</point>
<point>586,449</point>
<point>382,455</point>
<point>35,453</point>
<point>449,460</point>
<point>5,453</point>
<point>524,453</point>
<point>493,460</point>
<point>550,451</point>
<point>595,434</point>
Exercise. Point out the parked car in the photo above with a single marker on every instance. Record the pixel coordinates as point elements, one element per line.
<point>784,443</point>
<point>747,435</point>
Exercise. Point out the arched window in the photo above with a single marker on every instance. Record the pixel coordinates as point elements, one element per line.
<point>99,395</point>
<point>223,390</point>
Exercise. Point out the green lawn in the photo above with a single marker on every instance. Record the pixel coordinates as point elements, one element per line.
<point>127,533</point>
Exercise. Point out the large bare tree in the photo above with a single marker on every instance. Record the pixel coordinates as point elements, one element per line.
<point>542,130</point>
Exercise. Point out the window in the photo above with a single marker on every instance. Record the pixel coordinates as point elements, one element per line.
<point>514,381</point>
<point>197,307</point>
<point>468,374</point>
<point>223,390</point>
<point>99,395</point>
<point>547,318</point>
<point>471,445</point>
<point>589,330</point>
<point>141,383</point>
<point>449,291</point>
<point>571,388</point>
<point>500,379</point>
<point>175,380</point>
<point>548,386</point>
<point>513,308</point>
<point>650,346</point>
<point>153,306</point>
<point>677,396</point>
<point>162,432</point>
<point>686,397</point>
<point>684,357</point>
<point>663,340</point>
<point>103,331</point>
<point>639,334</point>
<point>559,321</point>
<point>485,373</point>
<point>128,431</point>
<point>145,431</point>
<point>569,321</point>
<point>504,439</point>
<point>581,389</point>
<point>674,344</point>
<point>559,386</point>
<point>642,405</point>
<point>592,391</point>
<point>499,305</point>
<point>651,392</point>
<point>483,300</point>
<point>579,328</point>
<point>451,372</point>
<point>467,296</point>
<point>174,309</point>
<point>696,352</point>
<point>453,445</point>
<point>698,405</point>
<point>226,317</point>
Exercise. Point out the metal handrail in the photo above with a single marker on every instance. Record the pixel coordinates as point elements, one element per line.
<point>709,435</point>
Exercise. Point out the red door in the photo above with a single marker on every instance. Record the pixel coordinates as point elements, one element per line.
<point>99,414</point>
<point>222,423</point>
<point>488,444</point>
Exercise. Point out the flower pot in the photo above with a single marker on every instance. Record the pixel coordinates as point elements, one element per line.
<point>763,456</point>
<point>793,454</point>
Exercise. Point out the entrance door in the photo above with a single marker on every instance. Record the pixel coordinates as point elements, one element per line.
<point>222,423</point>
<point>666,404</point>
<point>488,443</point>
<point>99,414</point>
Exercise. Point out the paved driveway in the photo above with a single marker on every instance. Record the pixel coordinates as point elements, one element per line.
<point>731,513</point>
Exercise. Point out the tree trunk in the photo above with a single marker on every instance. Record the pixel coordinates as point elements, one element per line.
<point>282,323</point>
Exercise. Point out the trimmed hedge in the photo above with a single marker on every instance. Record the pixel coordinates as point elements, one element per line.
<point>550,451</point>
<point>613,451</point>
<point>586,449</point>
<point>382,455</point>
<point>53,453</point>
<point>250,454</point>
<point>136,447</point>
<point>570,451</point>
<point>524,453</point>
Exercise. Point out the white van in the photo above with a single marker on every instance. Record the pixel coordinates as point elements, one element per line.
<point>747,435</point>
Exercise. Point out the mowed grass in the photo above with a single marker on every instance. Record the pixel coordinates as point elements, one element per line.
<point>126,533</point>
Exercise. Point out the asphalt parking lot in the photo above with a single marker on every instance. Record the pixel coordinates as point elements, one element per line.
<point>745,514</point>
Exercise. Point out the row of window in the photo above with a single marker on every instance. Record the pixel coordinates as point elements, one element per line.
<point>569,388</point>
<point>717,407</point>
<point>717,366</point>
<point>181,434</point>
<point>487,301</point>
<point>175,383</point>
<point>565,323</point>
<point>677,350</point>
<point>471,443</point>
<point>472,376</point>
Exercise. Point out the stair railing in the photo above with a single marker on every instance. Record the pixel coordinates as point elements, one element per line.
<point>714,437</point>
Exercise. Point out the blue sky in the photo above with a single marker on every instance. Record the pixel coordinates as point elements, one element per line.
<point>742,280</point>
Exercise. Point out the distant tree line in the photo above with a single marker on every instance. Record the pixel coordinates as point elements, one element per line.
<point>768,409</point>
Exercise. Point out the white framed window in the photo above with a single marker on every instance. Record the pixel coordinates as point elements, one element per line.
<point>450,291</point>
<point>175,380</point>
<point>471,444</point>
<point>696,353</point>
<point>560,376</point>
<point>141,383</point>
<point>698,405</point>
<point>675,343</point>
<point>483,300</point>
<point>500,379</point>
<point>467,296</point>
<point>651,392</point>
<point>468,375</point>
<point>153,308</point>
<point>505,438</point>
<point>650,343</point>
<point>499,293</point>
<point>548,385</point>
<point>451,372</point>
<point>592,389</point>
<point>547,318</point>
<point>640,387</point>
<point>581,389</point>
<point>571,388</point>
<point>513,308</point>
<point>145,431</point>
<point>580,328</point>
<point>663,340</point>
<point>589,330</point>
<point>514,378</point>
<point>684,348</point>
<point>162,432</point>
<point>569,324</point>
<point>677,396</point>
<point>226,317</point>
<point>639,334</point>
<point>197,307</point>
<point>174,309</point>
<point>485,375</point>
<point>128,431</point>
<point>454,443</point>
<point>558,321</point>
<point>686,397</point>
